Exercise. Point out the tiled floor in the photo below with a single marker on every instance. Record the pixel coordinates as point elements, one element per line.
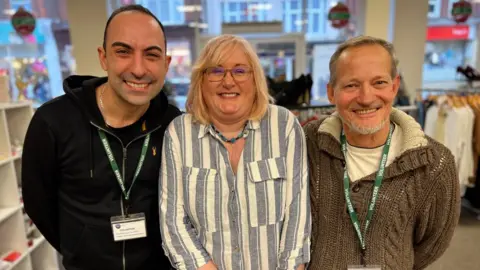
<point>464,251</point>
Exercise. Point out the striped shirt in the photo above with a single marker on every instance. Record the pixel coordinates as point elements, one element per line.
<point>258,219</point>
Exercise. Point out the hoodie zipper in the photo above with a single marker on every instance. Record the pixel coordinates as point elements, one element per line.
<point>124,160</point>
<point>124,260</point>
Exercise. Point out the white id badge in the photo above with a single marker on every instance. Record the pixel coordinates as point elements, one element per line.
<point>368,267</point>
<point>127,228</point>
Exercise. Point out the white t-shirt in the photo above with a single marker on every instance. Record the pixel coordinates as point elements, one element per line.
<point>365,161</point>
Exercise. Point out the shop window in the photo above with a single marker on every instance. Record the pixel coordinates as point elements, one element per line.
<point>243,6</point>
<point>293,22</point>
<point>164,12</point>
<point>293,11</point>
<point>242,11</point>
<point>316,16</point>
<point>16,4</point>
<point>178,76</point>
<point>316,22</point>
<point>434,8</point>
<point>167,11</point>
<point>442,59</point>
<point>294,5</point>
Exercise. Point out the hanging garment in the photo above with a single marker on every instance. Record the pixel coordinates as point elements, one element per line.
<point>472,194</point>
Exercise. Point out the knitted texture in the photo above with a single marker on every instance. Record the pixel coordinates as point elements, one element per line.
<point>417,209</point>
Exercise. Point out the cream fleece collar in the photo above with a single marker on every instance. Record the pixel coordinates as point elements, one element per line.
<point>413,134</point>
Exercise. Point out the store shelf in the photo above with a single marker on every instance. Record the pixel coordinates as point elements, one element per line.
<point>14,234</point>
<point>7,212</point>
<point>36,242</point>
<point>31,229</point>
<point>19,260</point>
<point>5,161</point>
<point>15,105</point>
<point>16,157</point>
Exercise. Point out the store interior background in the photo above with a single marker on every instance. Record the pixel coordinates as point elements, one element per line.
<point>292,37</point>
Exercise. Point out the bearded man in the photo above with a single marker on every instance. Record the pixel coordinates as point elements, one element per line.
<point>383,194</point>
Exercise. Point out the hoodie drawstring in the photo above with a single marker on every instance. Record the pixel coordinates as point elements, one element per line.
<point>90,154</point>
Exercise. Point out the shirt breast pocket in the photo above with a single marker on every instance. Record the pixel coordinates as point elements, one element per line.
<point>266,191</point>
<point>199,195</point>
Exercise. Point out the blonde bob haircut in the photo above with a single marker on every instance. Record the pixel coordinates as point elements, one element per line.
<point>216,52</point>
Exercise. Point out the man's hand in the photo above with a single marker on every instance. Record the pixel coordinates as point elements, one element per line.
<point>209,266</point>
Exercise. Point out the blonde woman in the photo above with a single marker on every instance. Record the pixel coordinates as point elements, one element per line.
<point>233,185</point>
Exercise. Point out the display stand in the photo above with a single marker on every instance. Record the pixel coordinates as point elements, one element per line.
<point>22,247</point>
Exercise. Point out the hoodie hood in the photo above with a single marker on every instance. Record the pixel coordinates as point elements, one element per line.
<point>78,81</point>
<point>81,89</point>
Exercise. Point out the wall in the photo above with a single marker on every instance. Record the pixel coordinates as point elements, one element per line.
<point>87,34</point>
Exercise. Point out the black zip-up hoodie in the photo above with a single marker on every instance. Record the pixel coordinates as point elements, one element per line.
<point>70,191</point>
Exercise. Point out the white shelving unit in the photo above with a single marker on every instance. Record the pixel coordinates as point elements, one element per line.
<point>16,232</point>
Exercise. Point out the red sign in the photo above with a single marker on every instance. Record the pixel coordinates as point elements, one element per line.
<point>456,32</point>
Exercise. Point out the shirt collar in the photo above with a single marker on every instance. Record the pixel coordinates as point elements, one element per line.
<point>204,129</point>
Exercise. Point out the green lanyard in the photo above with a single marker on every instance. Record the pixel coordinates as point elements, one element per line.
<point>114,164</point>
<point>378,183</point>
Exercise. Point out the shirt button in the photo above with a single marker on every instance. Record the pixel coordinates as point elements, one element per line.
<point>356,188</point>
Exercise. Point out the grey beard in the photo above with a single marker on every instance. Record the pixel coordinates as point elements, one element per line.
<point>364,130</point>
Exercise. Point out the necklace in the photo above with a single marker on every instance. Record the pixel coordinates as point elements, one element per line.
<point>242,134</point>
<point>100,97</point>
<point>102,108</point>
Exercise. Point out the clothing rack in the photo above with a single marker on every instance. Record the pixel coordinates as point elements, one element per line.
<point>460,90</point>
<point>408,108</point>
<point>449,90</point>
<point>464,146</point>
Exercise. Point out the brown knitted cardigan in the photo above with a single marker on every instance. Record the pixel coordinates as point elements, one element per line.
<point>417,209</point>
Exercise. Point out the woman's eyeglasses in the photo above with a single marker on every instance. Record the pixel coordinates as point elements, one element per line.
<point>239,74</point>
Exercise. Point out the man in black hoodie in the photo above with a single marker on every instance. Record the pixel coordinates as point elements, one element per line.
<point>91,157</point>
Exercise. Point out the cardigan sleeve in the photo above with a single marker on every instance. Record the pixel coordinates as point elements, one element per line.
<point>439,215</point>
<point>311,130</point>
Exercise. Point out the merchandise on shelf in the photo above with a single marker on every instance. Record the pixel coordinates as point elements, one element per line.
<point>31,80</point>
<point>17,148</point>
<point>11,256</point>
